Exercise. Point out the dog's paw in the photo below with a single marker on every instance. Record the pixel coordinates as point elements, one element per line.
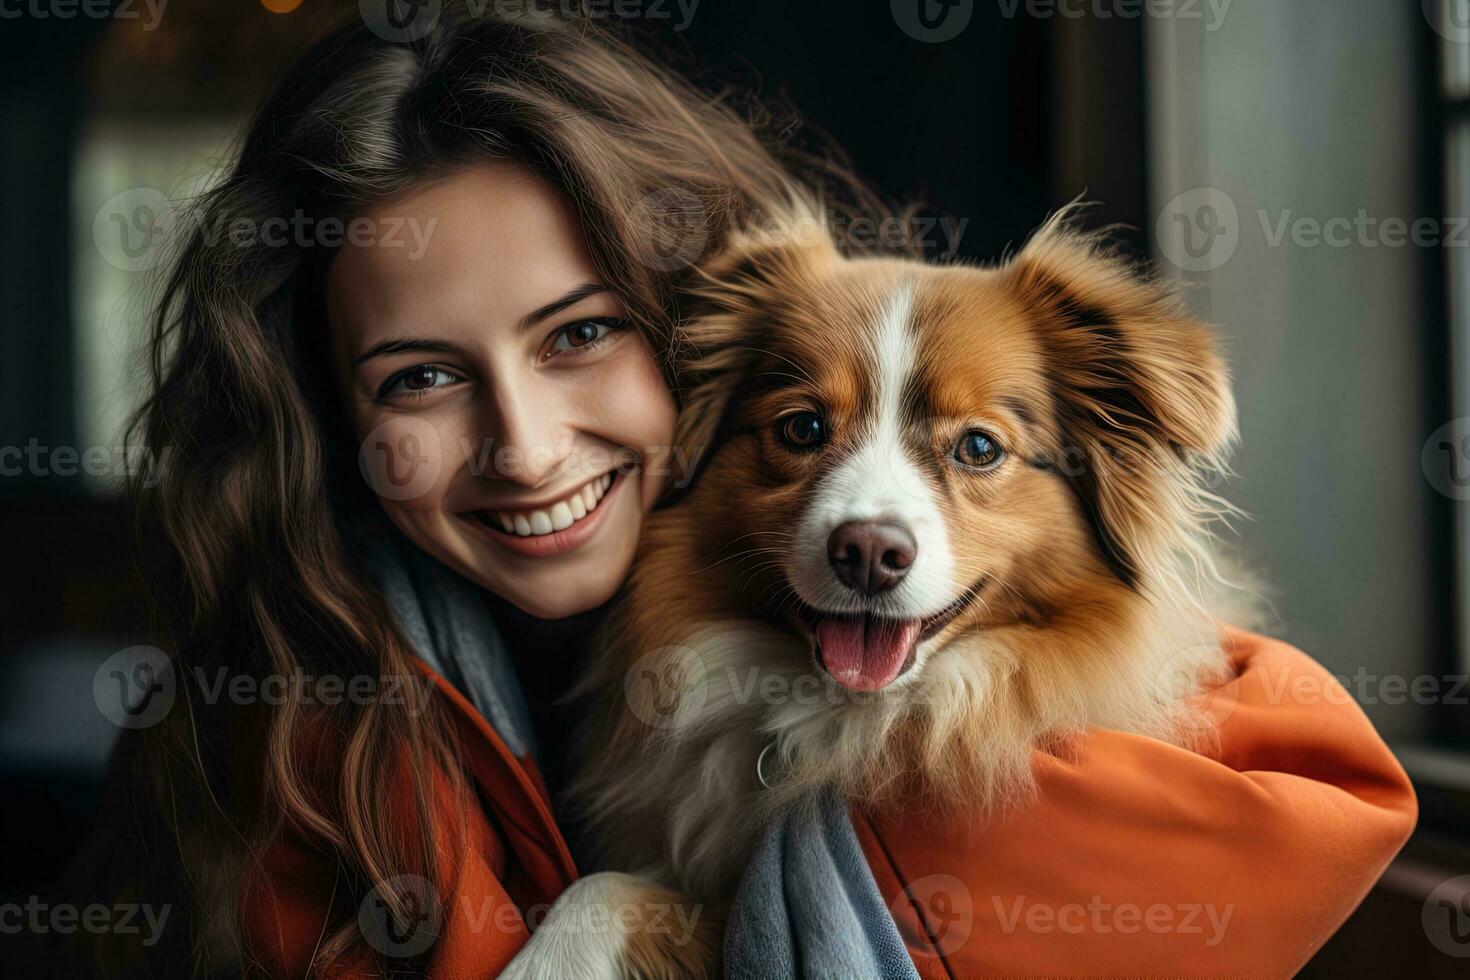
<point>612,926</point>
<point>567,944</point>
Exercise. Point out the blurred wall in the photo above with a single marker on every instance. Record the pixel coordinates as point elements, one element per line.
<point>1276,113</point>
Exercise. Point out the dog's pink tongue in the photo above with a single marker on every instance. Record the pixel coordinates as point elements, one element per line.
<point>863,653</point>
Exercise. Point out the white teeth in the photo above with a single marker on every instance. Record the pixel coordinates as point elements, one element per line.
<point>560,515</point>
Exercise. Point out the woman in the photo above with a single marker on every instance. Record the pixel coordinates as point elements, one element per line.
<point>380,452</point>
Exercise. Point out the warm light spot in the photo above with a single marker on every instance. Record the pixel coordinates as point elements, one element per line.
<point>280,6</point>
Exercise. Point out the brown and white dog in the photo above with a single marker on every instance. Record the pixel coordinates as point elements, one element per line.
<point>949,516</point>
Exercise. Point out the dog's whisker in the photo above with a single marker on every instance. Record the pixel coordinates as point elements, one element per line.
<point>802,371</point>
<point>740,554</point>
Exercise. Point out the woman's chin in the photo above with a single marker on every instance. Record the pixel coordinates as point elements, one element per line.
<point>585,600</point>
<point>561,590</point>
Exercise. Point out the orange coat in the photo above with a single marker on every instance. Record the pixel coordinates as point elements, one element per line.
<point>1136,858</point>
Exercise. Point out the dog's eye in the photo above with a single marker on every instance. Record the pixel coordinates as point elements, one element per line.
<point>802,430</point>
<point>978,450</point>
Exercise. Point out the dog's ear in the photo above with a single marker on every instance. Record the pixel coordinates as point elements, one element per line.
<point>726,318</point>
<point>1141,395</point>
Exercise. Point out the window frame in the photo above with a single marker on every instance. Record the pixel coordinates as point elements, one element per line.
<point>1447,192</point>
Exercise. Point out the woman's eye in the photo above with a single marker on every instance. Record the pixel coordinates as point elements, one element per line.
<point>976,449</point>
<point>417,380</point>
<point>802,430</point>
<point>583,334</point>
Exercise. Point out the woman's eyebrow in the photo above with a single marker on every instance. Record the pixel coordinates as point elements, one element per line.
<point>551,309</point>
<point>406,344</point>
<point>557,305</point>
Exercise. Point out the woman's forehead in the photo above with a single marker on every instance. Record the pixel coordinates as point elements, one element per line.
<point>483,246</point>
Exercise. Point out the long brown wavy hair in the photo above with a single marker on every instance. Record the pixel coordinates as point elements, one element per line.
<point>257,506</point>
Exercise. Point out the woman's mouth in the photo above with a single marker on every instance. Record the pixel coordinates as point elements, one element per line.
<point>555,528</point>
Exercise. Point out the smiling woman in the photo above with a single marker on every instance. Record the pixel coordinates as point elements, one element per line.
<point>514,376</point>
<point>410,456</point>
<point>453,402</point>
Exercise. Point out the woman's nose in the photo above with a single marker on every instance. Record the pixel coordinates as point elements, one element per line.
<point>530,441</point>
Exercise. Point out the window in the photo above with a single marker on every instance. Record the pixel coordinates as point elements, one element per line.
<point>125,179</point>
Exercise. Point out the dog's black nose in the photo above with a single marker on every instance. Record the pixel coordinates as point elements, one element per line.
<point>870,556</point>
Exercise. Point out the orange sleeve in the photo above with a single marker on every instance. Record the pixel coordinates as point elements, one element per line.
<point>475,930</point>
<point>1138,857</point>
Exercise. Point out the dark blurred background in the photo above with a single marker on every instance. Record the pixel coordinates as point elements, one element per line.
<point>1221,134</point>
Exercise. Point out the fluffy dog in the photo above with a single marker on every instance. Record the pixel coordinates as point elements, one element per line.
<point>949,516</point>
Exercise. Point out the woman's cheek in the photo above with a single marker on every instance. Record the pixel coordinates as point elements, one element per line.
<point>657,412</point>
<point>624,401</point>
<point>405,459</point>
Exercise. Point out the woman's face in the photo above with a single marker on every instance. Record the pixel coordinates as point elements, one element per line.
<point>510,418</point>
